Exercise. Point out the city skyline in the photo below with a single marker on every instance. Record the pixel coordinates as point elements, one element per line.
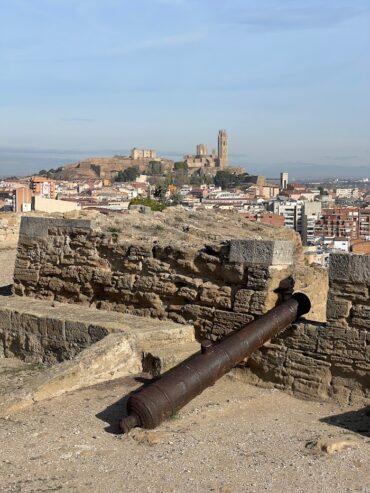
<point>288,82</point>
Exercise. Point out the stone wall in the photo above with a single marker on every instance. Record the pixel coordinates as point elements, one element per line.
<point>330,360</point>
<point>218,287</point>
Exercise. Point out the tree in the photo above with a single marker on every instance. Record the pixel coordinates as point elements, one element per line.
<point>181,165</point>
<point>155,205</point>
<point>195,180</point>
<point>155,168</point>
<point>224,179</point>
<point>128,174</point>
<point>228,179</point>
<point>175,198</point>
<point>160,192</point>
<point>180,177</point>
<point>50,173</point>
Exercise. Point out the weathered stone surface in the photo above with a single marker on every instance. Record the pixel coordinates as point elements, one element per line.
<point>349,267</point>
<point>39,227</point>
<point>217,287</point>
<point>337,309</point>
<point>258,252</point>
<point>242,300</point>
<point>213,295</point>
<point>226,322</point>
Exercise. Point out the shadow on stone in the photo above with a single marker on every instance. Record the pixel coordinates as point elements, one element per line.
<point>118,410</point>
<point>6,290</point>
<point>355,421</point>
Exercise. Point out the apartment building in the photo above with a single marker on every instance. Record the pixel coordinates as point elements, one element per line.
<point>43,186</point>
<point>338,223</point>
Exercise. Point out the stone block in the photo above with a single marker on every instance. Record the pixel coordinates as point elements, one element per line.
<point>360,316</point>
<point>349,267</point>
<point>242,300</point>
<point>124,281</point>
<point>27,275</point>
<point>337,308</point>
<point>103,277</point>
<point>257,278</point>
<point>5,320</point>
<point>194,312</point>
<point>97,333</point>
<point>257,303</point>
<point>24,323</point>
<point>232,273</point>
<point>38,227</point>
<point>349,291</point>
<point>225,322</point>
<point>213,295</point>
<point>52,328</point>
<point>261,252</point>
<point>77,332</point>
<point>188,293</point>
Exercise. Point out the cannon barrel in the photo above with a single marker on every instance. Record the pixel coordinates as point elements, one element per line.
<point>164,397</point>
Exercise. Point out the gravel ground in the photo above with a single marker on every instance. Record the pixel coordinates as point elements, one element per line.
<point>232,438</point>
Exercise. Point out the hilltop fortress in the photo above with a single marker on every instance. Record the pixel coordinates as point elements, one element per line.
<point>109,167</point>
<point>205,163</point>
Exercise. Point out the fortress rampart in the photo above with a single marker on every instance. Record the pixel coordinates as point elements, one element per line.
<point>217,287</point>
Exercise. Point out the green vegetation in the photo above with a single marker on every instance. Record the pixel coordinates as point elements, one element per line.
<point>227,179</point>
<point>155,168</point>
<point>155,205</point>
<point>160,192</point>
<point>128,174</point>
<point>181,165</point>
<point>49,173</point>
<point>198,180</point>
<point>175,198</point>
<point>114,230</point>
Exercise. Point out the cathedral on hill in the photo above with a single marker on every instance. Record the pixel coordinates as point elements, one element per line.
<point>205,163</point>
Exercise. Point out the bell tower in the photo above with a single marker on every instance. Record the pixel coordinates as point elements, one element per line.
<point>223,149</point>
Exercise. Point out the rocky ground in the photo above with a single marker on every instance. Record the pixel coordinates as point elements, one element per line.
<point>233,438</point>
<point>192,228</point>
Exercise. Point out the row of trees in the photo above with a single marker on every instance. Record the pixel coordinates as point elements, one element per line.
<point>227,179</point>
<point>50,173</point>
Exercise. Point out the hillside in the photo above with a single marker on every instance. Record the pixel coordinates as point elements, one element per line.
<point>102,167</point>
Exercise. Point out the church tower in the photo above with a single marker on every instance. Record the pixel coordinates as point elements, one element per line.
<point>223,149</point>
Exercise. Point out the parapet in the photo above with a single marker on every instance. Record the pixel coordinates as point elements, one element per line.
<point>217,284</point>
<point>39,227</point>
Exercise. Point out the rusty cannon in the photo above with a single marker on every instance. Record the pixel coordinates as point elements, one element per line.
<point>162,398</point>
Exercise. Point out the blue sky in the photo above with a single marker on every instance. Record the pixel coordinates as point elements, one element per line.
<point>289,79</point>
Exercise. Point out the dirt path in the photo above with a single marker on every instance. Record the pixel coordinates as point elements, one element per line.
<point>233,438</point>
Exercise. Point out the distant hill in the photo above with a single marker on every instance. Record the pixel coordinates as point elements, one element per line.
<point>102,167</point>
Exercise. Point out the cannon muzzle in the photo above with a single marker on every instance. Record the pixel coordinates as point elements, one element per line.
<point>164,397</point>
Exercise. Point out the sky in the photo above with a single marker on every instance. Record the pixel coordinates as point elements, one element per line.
<point>288,79</point>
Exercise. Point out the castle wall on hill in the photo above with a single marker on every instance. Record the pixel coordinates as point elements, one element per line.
<point>218,288</point>
<point>107,167</point>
